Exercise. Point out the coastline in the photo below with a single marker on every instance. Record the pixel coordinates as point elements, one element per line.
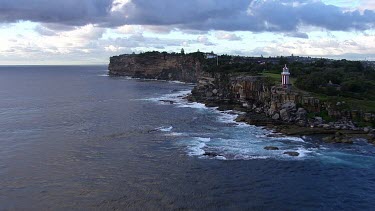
<point>261,120</point>
<point>289,129</point>
<point>283,109</point>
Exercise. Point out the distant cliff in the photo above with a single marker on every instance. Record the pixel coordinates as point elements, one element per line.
<point>155,65</point>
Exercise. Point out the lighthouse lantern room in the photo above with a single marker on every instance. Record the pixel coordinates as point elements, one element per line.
<point>285,82</point>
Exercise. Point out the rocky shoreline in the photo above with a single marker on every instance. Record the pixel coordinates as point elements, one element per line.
<point>345,133</point>
<point>285,110</point>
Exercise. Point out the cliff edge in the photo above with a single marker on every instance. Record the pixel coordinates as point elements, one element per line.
<point>155,65</point>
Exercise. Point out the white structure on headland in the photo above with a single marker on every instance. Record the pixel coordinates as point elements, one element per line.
<point>285,81</point>
<point>210,55</point>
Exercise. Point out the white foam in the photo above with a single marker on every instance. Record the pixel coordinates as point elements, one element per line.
<point>227,118</point>
<point>289,138</point>
<point>250,157</point>
<point>203,139</point>
<point>256,157</point>
<point>219,157</point>
<point>176,97</point>
<point>303,152</point>
<point>197,149</point>
<point>175,134</point>
<point>177,82</point>
<point>103,75</point>
<point>242,124</point>
<point>262,136</point>
<point>165,129</point>
<point>193,105</point>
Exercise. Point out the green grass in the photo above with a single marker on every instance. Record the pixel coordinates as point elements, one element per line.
<point>354,104</point>
<point>277,77</point>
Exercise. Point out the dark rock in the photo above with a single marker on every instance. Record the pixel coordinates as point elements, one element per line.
<point>301,114</point>
<point>371,139</point>
<point>209,94</point>
<point>301,123</point>
<point>289,106</point>
<point>338,138</point>
<point>291,153</point>
<point>271,148</point>
<point>284,114</point>
<point>241,118</point>
<point>211,154</point>
<point>276,116</point>
<point>318,120</point>
<point>367,129</point>
<point>167,101</point>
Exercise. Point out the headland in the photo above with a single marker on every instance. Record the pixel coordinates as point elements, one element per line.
<point>334,98</point>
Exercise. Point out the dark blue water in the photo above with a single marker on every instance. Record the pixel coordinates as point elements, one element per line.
<point>73,138</point>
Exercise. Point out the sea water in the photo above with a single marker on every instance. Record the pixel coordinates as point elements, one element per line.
<point>72,137</point>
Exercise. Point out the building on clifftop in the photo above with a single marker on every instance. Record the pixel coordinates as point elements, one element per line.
<point>285,81</point>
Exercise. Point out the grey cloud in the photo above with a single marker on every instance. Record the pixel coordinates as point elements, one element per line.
<point>172,12</point>
<point>44,31</point>
<point>139,40</point>
<point>68,12</point>
<point>227,36</point>
<point>202,15</point>
<point>246,15</point>
<point>298,35</point>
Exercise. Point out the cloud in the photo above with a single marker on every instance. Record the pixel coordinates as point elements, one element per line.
<point>298,35</point>
<point>244,15</point>
<point>129,29</point>
<point>204,40</point>
<point>71,29</point>
<point>84,41</point>
<point>227,36</point>
<point>325,47</point>
<point>67,12</point>
<point>65,42</point>
<point>203,15</point>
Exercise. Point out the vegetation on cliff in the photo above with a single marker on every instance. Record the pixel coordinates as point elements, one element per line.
<point>329,80</point>
<point>326,93</point>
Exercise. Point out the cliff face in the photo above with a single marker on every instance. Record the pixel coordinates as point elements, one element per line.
<point>157,66</point>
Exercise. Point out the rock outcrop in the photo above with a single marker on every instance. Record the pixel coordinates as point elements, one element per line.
<point>338,138</point>
<point>271,148</point>
<point>256,95</point>
<point>291,153</point>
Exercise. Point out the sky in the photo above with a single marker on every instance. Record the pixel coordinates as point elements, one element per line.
<point>90,31</point>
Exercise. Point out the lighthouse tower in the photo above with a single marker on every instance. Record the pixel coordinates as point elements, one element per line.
<point>285,82</point>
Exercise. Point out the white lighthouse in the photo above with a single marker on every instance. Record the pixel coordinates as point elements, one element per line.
<point>285,82</point>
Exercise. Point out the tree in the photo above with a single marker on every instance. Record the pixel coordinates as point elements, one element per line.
<point>182,51</point>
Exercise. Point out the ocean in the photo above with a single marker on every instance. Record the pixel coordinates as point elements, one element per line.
<point>74,138</point>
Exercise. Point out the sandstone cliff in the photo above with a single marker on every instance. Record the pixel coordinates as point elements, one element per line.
<point>157,66</point>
